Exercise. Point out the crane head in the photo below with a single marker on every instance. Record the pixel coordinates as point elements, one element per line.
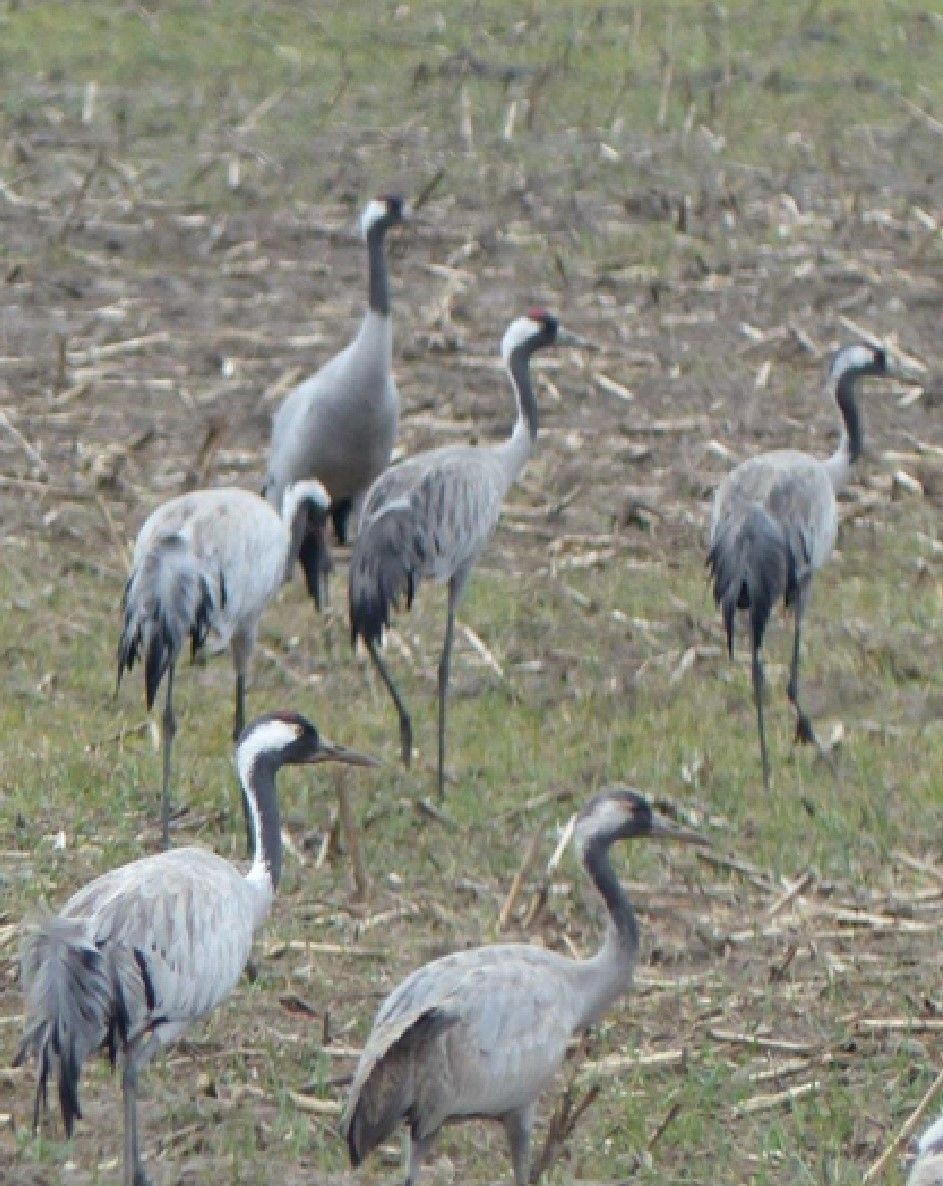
<point>537,329</point>
<point>859,359</point>
<point>620,813</point>
<point>290,739</point>
<point>382,212</point>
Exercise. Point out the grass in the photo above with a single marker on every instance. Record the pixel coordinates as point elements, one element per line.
<point>790,138</point>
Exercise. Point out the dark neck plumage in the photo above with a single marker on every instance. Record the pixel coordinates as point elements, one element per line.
<point>851,416</point>
<point>262,818</point>
<point>519,366</point>
<point>621,914</point>
<point>379,296</point>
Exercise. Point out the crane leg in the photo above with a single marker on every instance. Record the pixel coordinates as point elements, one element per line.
<point>168,729</point>
<point>414,1150</point>
<point>134,1174</point>
<point>445,663</point>
<point>518,1127</point>
<point>239,720</point>
<point>758,682</point>
<point>804,730</point>
<point>405,725</point>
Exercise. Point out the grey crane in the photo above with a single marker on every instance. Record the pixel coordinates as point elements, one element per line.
<point>339,426</point>
<point>774,522</point>
<point>432,515</point>
<point>141,952</point>
<point>207,563</point>
<point>481,1033</point>
<point>927,1169</point>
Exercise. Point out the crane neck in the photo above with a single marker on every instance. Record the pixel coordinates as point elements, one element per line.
<point>623,924</point>
<point>263,822</point>
<point>379,288</point>
<point>518,365</point>
<point>851,445</point>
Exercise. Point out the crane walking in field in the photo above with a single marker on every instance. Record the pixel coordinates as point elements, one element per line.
<point>431,516</point>
<point>339,426</point>
<point>773,524</point>
<point>208,562</point>
<point>480,1034</point>
<point>141,952</point>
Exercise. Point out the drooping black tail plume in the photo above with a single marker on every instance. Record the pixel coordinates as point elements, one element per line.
<point>388,1079</point>
<point>752,565</point>
<point>74,1005</point>
<point>169,595</point>
<point>384,568</point>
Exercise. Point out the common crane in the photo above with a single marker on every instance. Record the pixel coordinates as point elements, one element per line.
<point>339,426</point>
<point>773,525</point>
<point>138,954</point>
<point>208,563</point>
<point>431,516</point>
<point>481,1033</point>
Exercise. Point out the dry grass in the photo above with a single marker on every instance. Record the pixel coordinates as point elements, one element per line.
<point>714,217</point>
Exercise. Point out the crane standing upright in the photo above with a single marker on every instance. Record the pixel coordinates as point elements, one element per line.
<point>773,524</point>
<point>431,516</point>
<point>481,1033</point>
<point>207,563</point>
<point>339,425</point>
<point>141,952</point>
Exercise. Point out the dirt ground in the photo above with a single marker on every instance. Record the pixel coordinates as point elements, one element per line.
<point>144,342</point>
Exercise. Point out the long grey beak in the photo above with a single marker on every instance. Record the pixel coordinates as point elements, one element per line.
<point>328,751</point>
<point>566,337</point>
<point>667,829</point>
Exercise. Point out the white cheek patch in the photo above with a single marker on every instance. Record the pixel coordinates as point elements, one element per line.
<point>265,738</point>
<point>373,212</point>
<point>309,489</point>
<point>516,333</point>
<point>852,358</point>
<point>607,816</point>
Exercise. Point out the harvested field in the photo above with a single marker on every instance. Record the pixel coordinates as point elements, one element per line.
<point>715,197</point>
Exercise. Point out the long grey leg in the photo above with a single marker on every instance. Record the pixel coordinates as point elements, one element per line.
<point>239,721</point>
<point>134,1174</point>
<point>758,682</point>
<point>445,663</point>
<point>804,730</point>
<point>518,1126</point>
<point>414,1150</point>
<point>168,729</point>
<point>405,725</point>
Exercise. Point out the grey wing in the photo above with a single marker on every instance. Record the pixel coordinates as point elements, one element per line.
<point>237,536</point>
<point>795,491</point>
<point>511,1011</point>
<point>184,919</point>
<point>454,498</point>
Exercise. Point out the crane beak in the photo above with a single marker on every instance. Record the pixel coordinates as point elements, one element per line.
<point>566,337</point>
<point>329,751</point>
<point>667,829</point>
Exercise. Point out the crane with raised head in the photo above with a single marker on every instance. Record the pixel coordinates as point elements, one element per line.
<point>480,1034</point>
<point>431,516</point>
<point>145,950</point>
<point>774,522</point>
<point>339,425</point>
<point>205,566</point>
